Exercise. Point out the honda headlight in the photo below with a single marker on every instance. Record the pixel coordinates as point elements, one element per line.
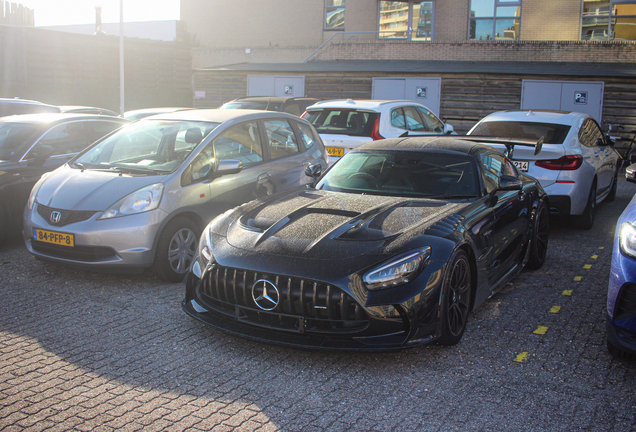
<point>143,200</point>
<point>627,238</point>
<point>400,270</point>
<point>36,188</point>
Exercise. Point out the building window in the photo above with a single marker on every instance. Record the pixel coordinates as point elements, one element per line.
<point>334,14</point>
<point>411,20</point>
<point>608,20</point>
<point>494,19</point>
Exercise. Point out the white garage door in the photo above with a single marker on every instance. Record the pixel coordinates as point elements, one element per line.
<point>272,85</point>
<point>426,91</point>
<point>580,96</point>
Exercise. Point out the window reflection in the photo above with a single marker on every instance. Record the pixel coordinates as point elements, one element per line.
<point>334,14</point>
<point>406,20</point>
<point>608,20</point>
<point>494,19</point>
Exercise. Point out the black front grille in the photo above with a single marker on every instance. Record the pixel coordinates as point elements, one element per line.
<point>67,216</point>
<point>626,302</point>
<point>303,305</point>
<point>76,253</point>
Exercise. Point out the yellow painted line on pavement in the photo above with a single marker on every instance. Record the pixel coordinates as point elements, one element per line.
<point>602,247</point>
<point>578,278</point>
<point>587,266</point>
<point>594,257</point>
<point>540,330</point>
<point>522,357</point>
<point>555,309</point>
<point>567,292</point>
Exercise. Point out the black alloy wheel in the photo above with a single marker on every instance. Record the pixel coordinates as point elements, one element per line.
<point>176,249</point>
<point>540,236</point>
<point>611,196</point>
<point>456,296</point>
<point>586,220</point>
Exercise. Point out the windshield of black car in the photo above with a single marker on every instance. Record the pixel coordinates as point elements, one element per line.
<point>250,105</point>
<point>404,173</point>
<point>551,133</point>
<point>146,146</point>
<point>15,136</point>
<point>342,121</point>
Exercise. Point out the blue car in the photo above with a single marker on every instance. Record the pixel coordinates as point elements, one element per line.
<point>621,296</point>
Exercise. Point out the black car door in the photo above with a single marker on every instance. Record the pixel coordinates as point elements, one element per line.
<point>59,143</point>
<point>506,235</point>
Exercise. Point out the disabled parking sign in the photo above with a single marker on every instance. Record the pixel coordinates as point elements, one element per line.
<point>580,98</point>
<point>421,92</point>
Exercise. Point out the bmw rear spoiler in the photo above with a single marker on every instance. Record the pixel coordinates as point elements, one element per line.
<point>510,143</point>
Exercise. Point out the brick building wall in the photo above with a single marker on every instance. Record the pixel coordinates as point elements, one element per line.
<point>451,20</point>
<point>543,20</point>
<point>542,51</point>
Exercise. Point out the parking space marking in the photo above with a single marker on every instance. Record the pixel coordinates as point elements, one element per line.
<point>578,278</point>
<point>602,247</point>
<point>594,257</point>
<point>567,292</point>
<point>521,357</point>
<point>541,330</point>
<point>587,266</point>
<point>555,309</point>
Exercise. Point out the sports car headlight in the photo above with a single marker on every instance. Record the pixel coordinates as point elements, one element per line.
<point>143,200</point>
<point>204,257</point>
<point>36,188</point>
<point>627,238</point>
<point>400,270</point>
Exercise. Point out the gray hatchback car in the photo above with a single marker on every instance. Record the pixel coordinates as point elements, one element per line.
<point>140,197</point>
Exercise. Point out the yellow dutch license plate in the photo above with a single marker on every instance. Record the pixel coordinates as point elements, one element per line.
<point>335,151</point>
<point>54,237</point>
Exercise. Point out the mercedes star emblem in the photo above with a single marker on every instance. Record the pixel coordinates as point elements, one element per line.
<point>265,294</point>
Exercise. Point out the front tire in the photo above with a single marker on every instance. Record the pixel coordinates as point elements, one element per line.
<point>456,297</point>
<point>540,236</point>
<point>176,249</point>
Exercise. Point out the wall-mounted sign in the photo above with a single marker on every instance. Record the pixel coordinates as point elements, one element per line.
<point>289,90</point>
<point>199,94</point>
<point>421,92</point>
<point>580,98</point>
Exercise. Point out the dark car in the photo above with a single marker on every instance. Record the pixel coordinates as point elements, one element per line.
<point>292,105</point>
<point>33,144</point>
<point>22,106</point>
<point>392,248</point>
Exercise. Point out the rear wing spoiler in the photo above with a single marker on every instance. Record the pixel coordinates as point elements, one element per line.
<point>510,143</point>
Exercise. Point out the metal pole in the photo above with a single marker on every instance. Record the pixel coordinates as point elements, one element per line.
<point>121,57</point>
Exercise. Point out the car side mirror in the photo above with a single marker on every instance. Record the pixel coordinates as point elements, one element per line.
<point>448,129</point>
<point>630,173</point>
<point>509,183</point>
<point>314,171</point>
<point>42,153</point>
<point>228,166</point>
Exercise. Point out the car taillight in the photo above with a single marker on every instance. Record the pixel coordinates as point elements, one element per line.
<point>565,163</point>
<point>375,134</point>
<point>303,114</point>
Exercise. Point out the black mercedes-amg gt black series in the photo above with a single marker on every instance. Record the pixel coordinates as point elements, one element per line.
<point>391,248</point>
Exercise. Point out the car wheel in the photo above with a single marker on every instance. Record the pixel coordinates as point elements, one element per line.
<point>617,352</point>
<point>540,236</point>
<point>176,249</point>
<point>456,295</point>
<point>586,220</point>
<point>612,193</point>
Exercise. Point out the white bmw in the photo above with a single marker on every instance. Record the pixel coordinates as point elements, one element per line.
<point>577,165</point>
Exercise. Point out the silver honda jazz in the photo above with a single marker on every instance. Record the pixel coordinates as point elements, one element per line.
<point>140,197</point>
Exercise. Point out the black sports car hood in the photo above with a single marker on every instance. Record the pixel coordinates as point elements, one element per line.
<point>329,225</point>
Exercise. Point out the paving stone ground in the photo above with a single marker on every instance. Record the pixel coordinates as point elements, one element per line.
<point>87,351</point>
